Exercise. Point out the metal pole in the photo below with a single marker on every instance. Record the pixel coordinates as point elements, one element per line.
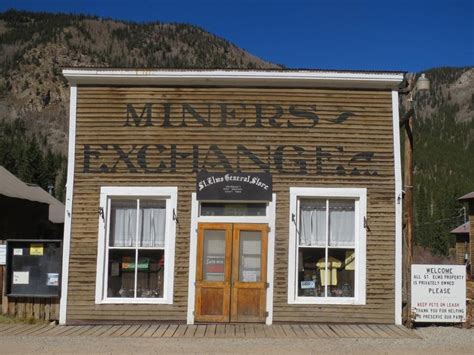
<point>409,216</point>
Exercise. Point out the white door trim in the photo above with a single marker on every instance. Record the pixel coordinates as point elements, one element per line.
<point>398,208</point>
<point>195,219</point>
<point>68,209</point>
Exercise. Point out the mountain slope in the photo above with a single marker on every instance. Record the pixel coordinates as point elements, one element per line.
<point>34,95</point>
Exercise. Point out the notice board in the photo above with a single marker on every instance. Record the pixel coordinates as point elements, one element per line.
<point>34,268</point>
<point>438,293</point>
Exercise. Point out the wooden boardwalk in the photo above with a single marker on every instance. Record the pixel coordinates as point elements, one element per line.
<point>297,331</point>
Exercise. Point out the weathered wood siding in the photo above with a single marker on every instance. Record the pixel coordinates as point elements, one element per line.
<point>101,115</point>
<point>462,246</point>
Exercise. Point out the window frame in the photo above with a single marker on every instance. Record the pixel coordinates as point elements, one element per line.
<point>359,195</point>
<point>170,195</point>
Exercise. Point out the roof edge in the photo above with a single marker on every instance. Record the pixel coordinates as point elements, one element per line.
<point>286,78</point>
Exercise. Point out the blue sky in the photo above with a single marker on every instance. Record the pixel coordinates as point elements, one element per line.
<point>407,35</point>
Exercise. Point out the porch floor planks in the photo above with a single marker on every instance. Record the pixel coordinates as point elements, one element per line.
<point>300,333</point>
<point>160,331</point>
<point>180,331</point>
<point>220,330</point>
<point>233,330</point>
<point>249,331</point>
<point>308,331</point>
<point>38,330</point>
<point>200,331</point>
<point>259,332</point>
<point>170,331</point>
<point>131,330</point>
<point>111,331</point>
<point>327,330</point>
<point>269,332</point>
<point>239,331</point>
<point>210,331</point>
<point>149,332</point>
<point>141,330</point>
<point>230,330</point>
<point>190,331</point>
<point>121,330</point>
<point>368,331</point>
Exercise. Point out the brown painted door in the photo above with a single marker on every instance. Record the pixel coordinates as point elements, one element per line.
<point>231,272</point>
<point>213,272</point>
<point>249,273</point>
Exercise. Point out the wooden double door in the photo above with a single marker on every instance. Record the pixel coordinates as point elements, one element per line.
<point>231,280</point>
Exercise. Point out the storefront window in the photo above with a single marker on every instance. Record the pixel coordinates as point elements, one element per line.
<point>327,238</point>
<point>139,241</point>
<point>326,255</point>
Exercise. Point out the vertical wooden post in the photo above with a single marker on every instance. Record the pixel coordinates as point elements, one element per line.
<point>409,214</point>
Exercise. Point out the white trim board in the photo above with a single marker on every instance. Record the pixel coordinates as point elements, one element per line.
<point>269,219</point>
<point>398,208</point>
<point>288,78</point>
<point>68,209</point>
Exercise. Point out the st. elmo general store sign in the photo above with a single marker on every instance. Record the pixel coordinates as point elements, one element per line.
<point>281,159</point>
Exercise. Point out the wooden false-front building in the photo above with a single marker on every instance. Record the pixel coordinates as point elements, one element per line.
<point>232,196</point>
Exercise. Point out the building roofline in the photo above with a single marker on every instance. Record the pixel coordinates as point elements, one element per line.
<point>235,77</point>
<point>462,229</point>
<point>467,197</point>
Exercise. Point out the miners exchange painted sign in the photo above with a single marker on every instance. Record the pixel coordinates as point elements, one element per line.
<point>281,159</point>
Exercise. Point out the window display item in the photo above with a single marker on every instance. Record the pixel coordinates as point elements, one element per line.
<point>329,275</point>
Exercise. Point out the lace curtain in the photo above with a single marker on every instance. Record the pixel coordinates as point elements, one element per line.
<point>124,223</point>
<point>313,222</point>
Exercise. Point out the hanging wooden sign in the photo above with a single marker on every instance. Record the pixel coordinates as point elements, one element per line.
<point>234,186</point>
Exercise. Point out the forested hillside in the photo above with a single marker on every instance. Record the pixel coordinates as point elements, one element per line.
<point>444,155</point>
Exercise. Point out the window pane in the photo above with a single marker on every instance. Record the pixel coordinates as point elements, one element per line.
<point>341,222</point>
<point>214,255</point>
<point>123,223</point>
<point>233,209</point>
<point>250,256</point>
<point>121,273</point>
<point>341,272</point>
<point>312,222</point>
<point>150,273</point>
<point>309,276</point>
<point>152,223</point>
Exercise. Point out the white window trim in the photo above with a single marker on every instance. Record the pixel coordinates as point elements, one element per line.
<point>171,196</point>
<point>360,195</point>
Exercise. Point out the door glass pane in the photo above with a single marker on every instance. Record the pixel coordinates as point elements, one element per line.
<point>213,255</point>
<point>250,256</point>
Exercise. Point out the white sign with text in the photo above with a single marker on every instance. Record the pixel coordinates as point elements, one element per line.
<point>438,293</point>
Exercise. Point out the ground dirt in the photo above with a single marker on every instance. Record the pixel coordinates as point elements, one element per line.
<point>435,340</point>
